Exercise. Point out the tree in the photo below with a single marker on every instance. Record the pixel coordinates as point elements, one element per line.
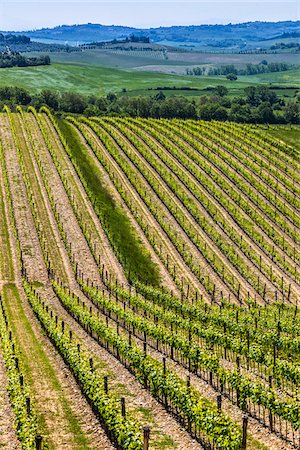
<point>221,90</point>
<point>213,111</point>
<point>111,97</point>
<point>92,110</point>
<point>231,77</point>
<point>241,113</point>
<point>266,114</point>
<point>179,107</point>
<point>49,98</point>
<point>22,96</point>
<point>160,96</point>
<point>102,104</point>
<point>292,112</point>
<point>251,96</point>
<point>45,59</point>
<point>73,102</point>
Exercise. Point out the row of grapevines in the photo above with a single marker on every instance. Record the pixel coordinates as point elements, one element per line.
<point>40,216</point>
<point>282,217</point>
<point>253,213</point>
<point>189,228</point>
<point>207,330</point>
<point>141,189</point>
<point>188,200</point>
<point>111,222</point>
<point>258,174</point>
<point>272,147</point>
<point>71,190</point>
<point>163,384</point>
<point>249,390</point>
<point>157,331</point>
<point>219,188</point>
<point>123,430</point>
<point>244,144</point>
<point>259,323</point>
<point>266,147</point>
<point>206,203</point>
<point>10,209</point>
<point>50,197</point>
<point>200,335</point>
<point>181,342</point>
<point>18,391</point>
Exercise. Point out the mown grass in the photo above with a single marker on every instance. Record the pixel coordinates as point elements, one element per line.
<point>6,265</point>
<point>88,79</point>
<point>93,79</point>
<point>6,262</point>
<point>131,253</point>
<point>289,134</point>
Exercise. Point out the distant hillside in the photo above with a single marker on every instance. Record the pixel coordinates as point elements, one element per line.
<point>294,34</point>
<point>244,32</point>
<point>21,43</point>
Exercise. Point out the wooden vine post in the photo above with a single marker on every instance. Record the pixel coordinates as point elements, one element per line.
<point>38,442</point>
<point>270,411</point>
<point>123,406</point>
<point>219,402</point>
<point>106,384</point>
<point>244,436</point>
<point>146,431</point>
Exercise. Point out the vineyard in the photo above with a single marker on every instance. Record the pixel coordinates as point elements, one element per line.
<point>149,282</point>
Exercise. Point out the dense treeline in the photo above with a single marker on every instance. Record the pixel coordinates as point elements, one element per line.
<point>13,39</point>
<point>258,105</point>
<point>286,45</point>
<point>15,59</point>
<point>21,43</point>
<point>105,44</point>
<point>249,69</point>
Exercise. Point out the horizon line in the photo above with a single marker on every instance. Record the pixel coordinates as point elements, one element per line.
<point>148,28</point>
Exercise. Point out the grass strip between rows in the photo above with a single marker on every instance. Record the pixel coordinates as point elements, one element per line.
<point>134,258</point>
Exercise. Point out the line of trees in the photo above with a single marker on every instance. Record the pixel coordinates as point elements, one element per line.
<point>257,105</point>
<point>286,45</point>
<point>15,59</point>
<point>13,39</point>
<point>249,69</point>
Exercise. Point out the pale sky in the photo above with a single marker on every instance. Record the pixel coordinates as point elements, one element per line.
<point>26,15</point>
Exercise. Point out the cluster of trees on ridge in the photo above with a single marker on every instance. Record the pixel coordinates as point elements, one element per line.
<point>22,43</point>
<point>249,69</point>
<point>132,38</point>
<point>8,39</point>
<point>258,105</point>
<point>15,59</point>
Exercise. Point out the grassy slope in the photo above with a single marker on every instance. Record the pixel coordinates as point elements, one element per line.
<point>6,265</point>
<point>93,79</point>
<point>125,59</point>
<point>116,224</point>
<point>289,134</point>
<point>289,77</point>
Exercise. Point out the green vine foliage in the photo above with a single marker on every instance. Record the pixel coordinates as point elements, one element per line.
<point>249,390</point>
<point>189,405</point>
<point>124,431</point>
<point>26,425</point>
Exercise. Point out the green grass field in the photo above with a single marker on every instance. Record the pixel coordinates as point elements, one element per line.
<point>157,62</point>
<point>94,79</point>
<point>290,134</point>
<point>288,78</point>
